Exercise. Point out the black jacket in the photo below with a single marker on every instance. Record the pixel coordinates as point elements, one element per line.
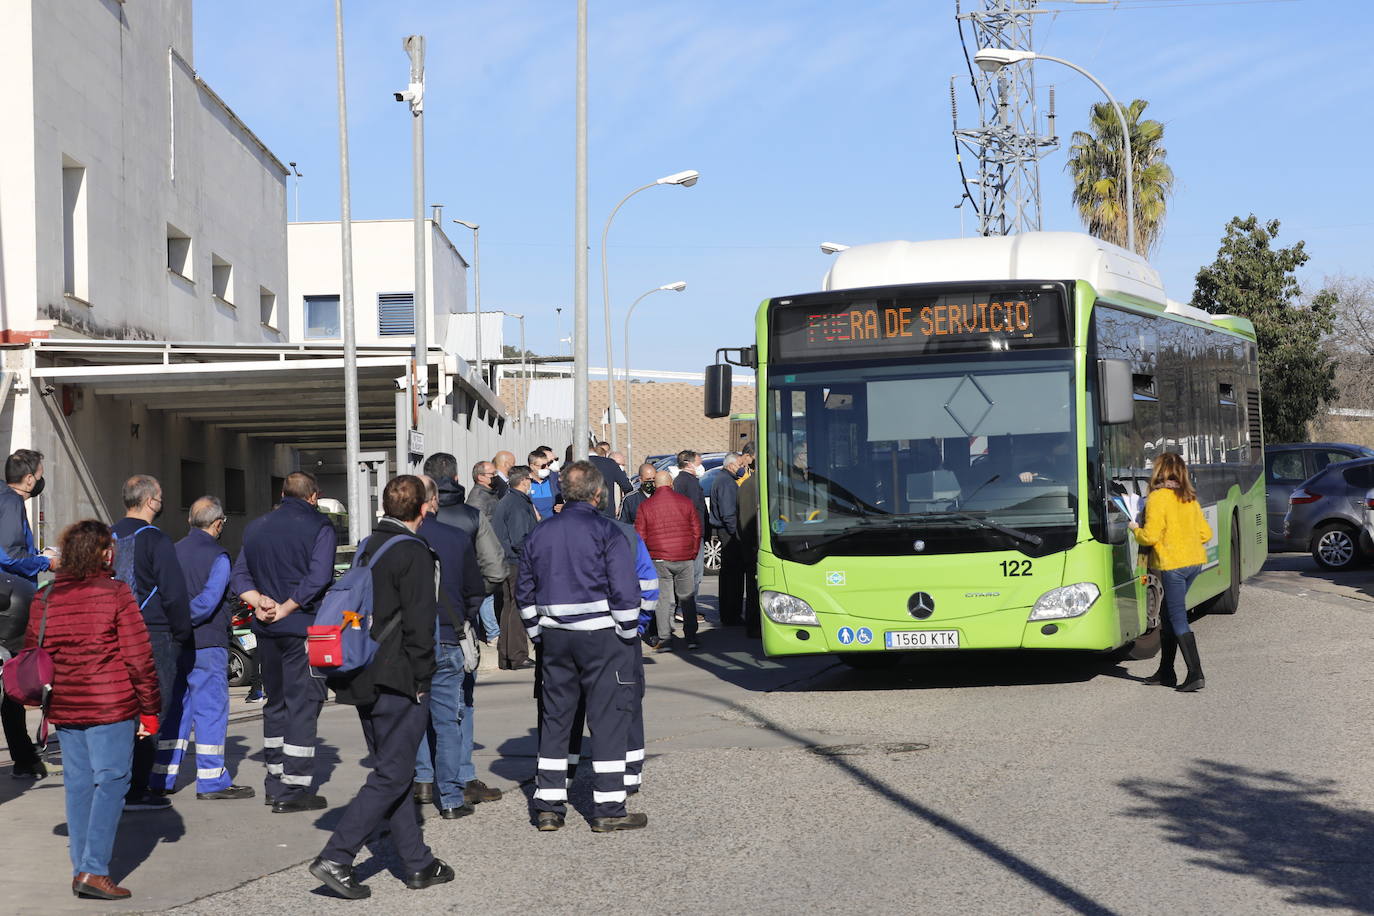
<point>513,521</point>
<point>402,583</point>
<point>613,475</point>
<point>688,485</point>
<point>460,582</point>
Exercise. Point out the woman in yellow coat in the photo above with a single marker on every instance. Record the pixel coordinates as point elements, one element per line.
<point>1178,532</point>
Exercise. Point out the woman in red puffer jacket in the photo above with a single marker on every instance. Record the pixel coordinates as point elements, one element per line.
<point>104,693</point>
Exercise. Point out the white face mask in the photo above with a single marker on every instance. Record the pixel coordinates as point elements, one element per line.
<point>699,471</point>
<point>543,472</point>
<point>622,468</point>
<point>554,465</point>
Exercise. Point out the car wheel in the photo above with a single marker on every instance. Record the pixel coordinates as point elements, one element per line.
<point>711,557</point>
<point>239,666</point>
<point>1335,546</point>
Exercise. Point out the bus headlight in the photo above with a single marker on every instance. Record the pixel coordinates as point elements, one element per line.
<point>1066,601</point>
<point>788,609</point>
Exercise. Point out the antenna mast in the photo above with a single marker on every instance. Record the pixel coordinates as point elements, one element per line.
<point>1007,142</point>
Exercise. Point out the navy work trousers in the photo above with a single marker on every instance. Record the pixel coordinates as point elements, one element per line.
<point>289,717</point>
<point>595,666</point>
<point>173,663</point>
<point>393,726</point>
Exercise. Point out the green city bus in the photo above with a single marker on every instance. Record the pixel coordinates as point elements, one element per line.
<point>953,436</point>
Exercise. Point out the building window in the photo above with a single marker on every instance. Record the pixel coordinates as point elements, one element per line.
<point>235,492</point>
<point>179,252</point>
<point>395,314</point>
<point>222,279</point>
<point>75,259</point>
<point>321,317</point>
<point>192,481</point>
<point>267,307</point>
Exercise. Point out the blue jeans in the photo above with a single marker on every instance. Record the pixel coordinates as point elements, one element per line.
<point>445,753</point>
<point>96,762</point>
<point>1176,583</point>
<point>490,625</point>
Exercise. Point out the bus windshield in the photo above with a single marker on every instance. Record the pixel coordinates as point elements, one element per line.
<point>983,445</point>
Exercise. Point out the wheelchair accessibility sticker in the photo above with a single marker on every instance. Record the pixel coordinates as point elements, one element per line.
<point>865,636</point>
<point>834,578</point>
<point>846,636</point>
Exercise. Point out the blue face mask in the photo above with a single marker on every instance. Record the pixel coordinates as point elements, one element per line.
<point>740,472</point>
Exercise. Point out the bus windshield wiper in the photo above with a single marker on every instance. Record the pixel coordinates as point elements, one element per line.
<point>1024,537</point>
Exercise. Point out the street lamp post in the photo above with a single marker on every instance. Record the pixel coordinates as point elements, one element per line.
<point>685,179</point>
<point>524,365</point>
<point>476,286</point>
<point>677,287</point>
<point>414,96</point>
<point>991,59</point>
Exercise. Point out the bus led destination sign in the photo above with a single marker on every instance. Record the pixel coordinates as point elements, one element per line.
<point>942,323</point>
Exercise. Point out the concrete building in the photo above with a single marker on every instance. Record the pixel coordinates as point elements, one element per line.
<point>146,322</point>
<point>383,281</point>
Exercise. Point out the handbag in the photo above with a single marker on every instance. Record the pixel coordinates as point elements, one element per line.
<point>28,676</point>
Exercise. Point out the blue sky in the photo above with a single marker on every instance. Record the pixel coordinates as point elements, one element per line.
<point>808,121</point>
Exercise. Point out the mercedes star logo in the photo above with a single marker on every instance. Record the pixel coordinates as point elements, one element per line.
<point>918,546</point>
<point>920,605</point>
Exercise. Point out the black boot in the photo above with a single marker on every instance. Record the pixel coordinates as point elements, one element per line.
<point>1168,644</point>
<point>1194,680</point>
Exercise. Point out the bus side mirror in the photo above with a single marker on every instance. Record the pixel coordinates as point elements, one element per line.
<point>1116,400</point>
<point>718,390</point>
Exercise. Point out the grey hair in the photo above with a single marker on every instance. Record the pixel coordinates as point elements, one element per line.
<point>731,457</point>
<point>138,489</point>
<point>205,512</point>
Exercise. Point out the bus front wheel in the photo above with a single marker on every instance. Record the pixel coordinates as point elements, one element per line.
<point>1228,602</point>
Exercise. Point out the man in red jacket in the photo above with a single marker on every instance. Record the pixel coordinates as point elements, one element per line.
<point>671,528</point>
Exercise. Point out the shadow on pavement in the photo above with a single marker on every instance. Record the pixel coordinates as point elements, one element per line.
<point>1000,855</point>
<point>140,833</point>
<point>1288,832</point>
<point>729,655</point>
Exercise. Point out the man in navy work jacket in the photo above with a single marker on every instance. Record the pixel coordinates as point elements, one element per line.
<point>392,697</point>
<point>725,518</point>
<point>159,587</point>
<point>24,480</point>
<point>443,765</point>
<point>286,563</point>
<point>579,598</point>
<point>202,700</point>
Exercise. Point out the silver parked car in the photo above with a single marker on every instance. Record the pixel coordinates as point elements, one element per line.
<point>1332,513</point>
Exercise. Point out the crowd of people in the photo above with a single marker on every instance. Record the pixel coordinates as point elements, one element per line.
<point>566,567</point>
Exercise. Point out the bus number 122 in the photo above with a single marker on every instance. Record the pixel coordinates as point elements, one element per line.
<point>1016,567</point>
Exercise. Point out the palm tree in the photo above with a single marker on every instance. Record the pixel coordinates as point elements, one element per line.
<point>1095,164</point>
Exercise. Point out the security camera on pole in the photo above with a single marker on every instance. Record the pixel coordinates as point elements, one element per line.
<point>414,94</point>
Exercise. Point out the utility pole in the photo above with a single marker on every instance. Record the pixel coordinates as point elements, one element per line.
<point>581,407</point>
<point>1007,143</point>
<point>359,508</point>
<point>414,93</point>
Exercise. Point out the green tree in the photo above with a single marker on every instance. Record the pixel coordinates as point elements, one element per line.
<point>1099,193</point>
<point>1255,280</point>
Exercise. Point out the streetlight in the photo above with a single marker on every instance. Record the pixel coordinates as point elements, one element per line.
<point>476,286</point>
<point>677,287</point>
<point>685,179</point>
<point>833,247</point>
<point>992,59</point>
<point>297,172</point>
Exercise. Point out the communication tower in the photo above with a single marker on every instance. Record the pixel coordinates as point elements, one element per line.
<point>1007,144</point>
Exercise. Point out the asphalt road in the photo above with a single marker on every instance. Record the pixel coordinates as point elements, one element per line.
<point>953,784</point>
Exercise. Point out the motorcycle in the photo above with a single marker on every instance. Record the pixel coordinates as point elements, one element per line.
<point>243,646</point>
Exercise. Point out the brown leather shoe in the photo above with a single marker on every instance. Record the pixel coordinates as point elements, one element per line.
<point>98,887</point>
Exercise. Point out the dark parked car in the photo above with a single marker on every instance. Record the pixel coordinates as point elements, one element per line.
<point>1332,515</point>
<point>1287,466</point>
